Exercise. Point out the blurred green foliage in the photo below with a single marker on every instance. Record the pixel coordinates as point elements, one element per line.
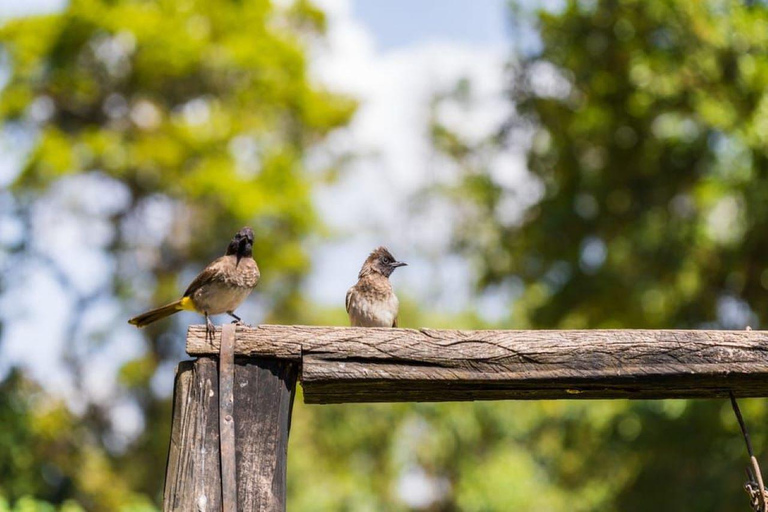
<point>645,127</point>
<point>204,108</point>
<point>648,133</point>
<point>45,453</point>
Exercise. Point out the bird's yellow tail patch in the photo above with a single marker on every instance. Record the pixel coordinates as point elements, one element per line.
<point>186,304</point>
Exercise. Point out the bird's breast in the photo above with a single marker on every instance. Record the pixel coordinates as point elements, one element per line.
<point>372,309</point>
<point>244,274</point>
<point>233,284</point>
<point>219,297</point>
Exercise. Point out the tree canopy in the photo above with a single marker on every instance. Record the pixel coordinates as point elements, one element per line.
<point>643,123</point>
<point>644,127</point>
<point>156,130</point>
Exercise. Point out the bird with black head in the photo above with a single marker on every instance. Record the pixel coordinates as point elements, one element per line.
<point>220,288</point>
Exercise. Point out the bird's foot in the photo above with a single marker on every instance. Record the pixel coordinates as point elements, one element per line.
<point>237,320</point>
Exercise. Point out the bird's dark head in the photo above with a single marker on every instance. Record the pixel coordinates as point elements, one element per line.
<point>241,244</point>
<point>380,261</point>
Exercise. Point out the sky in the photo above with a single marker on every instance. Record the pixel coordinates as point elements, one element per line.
<point>393,56</point>
<point>9,8</point>
<point>405,23</point>
<point>394,60</point>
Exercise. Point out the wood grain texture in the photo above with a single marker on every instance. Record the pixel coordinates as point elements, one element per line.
<point>263,397</point>
<point>343,364</point>
<point>193,474</point>
<point>227,419</point>
<point>264,392</point>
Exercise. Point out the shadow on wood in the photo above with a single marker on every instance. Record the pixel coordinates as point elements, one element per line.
<point>263,399</point>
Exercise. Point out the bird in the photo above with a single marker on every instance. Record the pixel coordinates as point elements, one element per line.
<point>371,302</point>
<point>219,288</point>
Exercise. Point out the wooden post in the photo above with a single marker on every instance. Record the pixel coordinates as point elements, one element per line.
<point>263,398</point>
<point>343,364</point>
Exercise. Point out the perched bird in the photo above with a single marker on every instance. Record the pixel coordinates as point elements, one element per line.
<point>371,301</point>
<point>220,288</point>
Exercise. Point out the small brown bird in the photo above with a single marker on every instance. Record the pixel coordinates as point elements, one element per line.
<point>220,288</point>
<point>371,302</point>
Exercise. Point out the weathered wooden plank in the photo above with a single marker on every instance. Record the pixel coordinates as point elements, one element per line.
<point>193,478</point>
<point>343,389</point>
<point>227,419</point>
<point>342,364</point>
<point>282,341</point>
<point>264,392</point>
<point>263,397</point>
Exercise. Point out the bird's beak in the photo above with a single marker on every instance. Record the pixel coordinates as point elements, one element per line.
<point>399,264</point>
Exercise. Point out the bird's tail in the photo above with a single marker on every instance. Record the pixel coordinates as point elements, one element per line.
<point>156,314</point>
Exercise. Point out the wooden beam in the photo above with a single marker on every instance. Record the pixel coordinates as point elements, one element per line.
<point>263,397</point>
<point>345,364</point>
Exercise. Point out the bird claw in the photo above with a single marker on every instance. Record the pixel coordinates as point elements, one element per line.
<point>237,320</point>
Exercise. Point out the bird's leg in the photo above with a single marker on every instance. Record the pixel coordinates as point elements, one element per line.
<point>237,318</point>
<point>209,328</point>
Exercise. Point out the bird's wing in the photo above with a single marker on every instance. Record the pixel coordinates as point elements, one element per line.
<point>347,299</point>
<point>210,273</point>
